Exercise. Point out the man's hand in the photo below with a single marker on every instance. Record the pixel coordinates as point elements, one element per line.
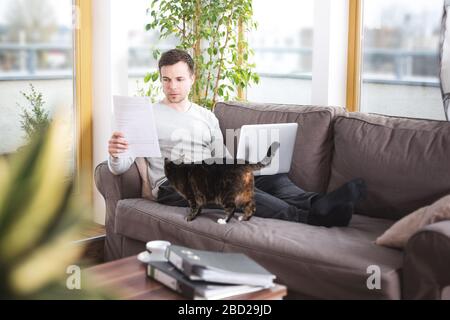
<point>117,144</point>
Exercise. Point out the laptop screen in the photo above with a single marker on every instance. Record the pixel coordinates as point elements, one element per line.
<point>255,140</point>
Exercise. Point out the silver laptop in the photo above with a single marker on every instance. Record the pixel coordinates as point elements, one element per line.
<point>254,141</point>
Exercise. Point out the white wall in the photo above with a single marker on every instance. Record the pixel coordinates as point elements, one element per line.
<point>330,52</point>
<point>110,77</point>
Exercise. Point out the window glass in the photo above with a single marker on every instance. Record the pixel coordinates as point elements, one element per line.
<point>36,67</point>
<point>400,73</point>
<point>283,45</point>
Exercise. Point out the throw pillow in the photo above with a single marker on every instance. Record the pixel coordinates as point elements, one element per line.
<point>146,191</point>
<point>398,235</point>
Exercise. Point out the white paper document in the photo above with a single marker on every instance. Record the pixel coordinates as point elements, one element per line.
<point>133,116</point>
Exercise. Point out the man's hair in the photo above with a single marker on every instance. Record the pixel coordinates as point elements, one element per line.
<point>171,57</point>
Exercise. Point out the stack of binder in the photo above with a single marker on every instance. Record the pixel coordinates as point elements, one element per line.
<point>199,274</point>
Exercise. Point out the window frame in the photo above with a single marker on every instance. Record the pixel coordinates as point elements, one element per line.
<point>83,94</point>
<point>354,56</point>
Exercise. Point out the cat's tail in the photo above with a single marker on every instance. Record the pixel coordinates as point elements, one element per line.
<point>268,159</point>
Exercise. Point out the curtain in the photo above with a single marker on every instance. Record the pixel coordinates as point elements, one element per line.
<point>445,58</point>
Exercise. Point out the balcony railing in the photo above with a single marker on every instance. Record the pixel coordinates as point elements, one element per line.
<point>26,63</point>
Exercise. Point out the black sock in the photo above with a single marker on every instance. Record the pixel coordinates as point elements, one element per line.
<point>339,216</point>
<point>336,208</point>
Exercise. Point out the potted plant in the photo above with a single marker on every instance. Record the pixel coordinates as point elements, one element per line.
<point>213,32</point>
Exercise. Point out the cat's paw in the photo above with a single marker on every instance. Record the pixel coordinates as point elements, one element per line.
<point>241,218</point>
<point>221,221</point>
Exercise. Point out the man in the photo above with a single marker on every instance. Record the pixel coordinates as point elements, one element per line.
<point>186,128</point>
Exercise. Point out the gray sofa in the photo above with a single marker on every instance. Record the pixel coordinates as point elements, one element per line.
<point>405,162</point>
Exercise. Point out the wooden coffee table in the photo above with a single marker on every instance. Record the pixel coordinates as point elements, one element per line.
<point>128,280</point>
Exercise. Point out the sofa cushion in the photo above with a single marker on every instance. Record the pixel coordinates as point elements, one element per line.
<point>405,162</point>
<point>312,155</point>
<point>310,261</point>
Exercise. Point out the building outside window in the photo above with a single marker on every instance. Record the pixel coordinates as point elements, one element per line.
<point>400,71</point>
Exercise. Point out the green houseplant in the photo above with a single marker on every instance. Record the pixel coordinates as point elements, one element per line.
<point>34,120</point>
<point>41,213</point>
<point>213,32</point>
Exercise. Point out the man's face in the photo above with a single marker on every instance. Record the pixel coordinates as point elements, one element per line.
<point>177,81</point>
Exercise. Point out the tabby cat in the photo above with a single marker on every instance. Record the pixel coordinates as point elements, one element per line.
<point>228,185</point>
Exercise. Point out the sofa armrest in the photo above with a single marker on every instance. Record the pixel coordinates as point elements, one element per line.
<point>112,187</point>
<point>427,263</point>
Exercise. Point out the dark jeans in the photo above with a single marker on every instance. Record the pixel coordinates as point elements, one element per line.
<point>276,197</point>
